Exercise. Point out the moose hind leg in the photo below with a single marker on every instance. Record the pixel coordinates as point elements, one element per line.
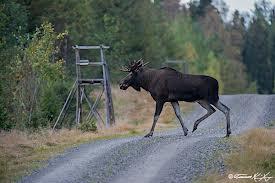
<point>176,108</point>
<point>159,106</point>
<point>210,110</point>
<point>223,108</point>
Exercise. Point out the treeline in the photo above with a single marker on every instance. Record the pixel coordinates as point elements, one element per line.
<point>37,62</point>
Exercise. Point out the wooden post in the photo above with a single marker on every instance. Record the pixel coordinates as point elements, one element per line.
<point>65,105</point>
<point>110,118</point>
<point>78,91</point>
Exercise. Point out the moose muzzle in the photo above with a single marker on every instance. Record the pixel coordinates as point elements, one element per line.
<point>123,86</point>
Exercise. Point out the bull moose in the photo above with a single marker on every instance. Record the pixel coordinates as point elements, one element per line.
<point>168,85</point>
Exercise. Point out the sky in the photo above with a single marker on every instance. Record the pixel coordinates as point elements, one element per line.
<point>241,5</point>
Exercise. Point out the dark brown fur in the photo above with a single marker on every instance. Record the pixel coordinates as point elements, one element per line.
<point>169,85</point>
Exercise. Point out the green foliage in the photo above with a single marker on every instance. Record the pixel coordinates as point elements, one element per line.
<point>13,18</point>
<point>88,126</point>
<point>5,124</point>
<point>42,51</point>
<point>258,50</point>
<point>234,78</point>
<point>214,69</point>
<point>189,44</point>
<point>124,25</point>
<point>38,72</point>
<point>51,101</point>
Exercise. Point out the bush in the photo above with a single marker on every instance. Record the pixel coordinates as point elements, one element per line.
<point>3,117</point>
<point>88,126</point>
<point>39,92</point>
<point>5,124</point>
<point>52,100</point>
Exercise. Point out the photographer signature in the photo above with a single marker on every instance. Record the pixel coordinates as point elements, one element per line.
<point>257,177</point>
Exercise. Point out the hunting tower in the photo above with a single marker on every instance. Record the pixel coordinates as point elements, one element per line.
<point>78,89</point>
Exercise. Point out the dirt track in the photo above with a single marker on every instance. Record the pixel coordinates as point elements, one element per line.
<point>167,157</point>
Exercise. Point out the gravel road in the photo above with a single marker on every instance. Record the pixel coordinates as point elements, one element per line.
<point>167,157</point>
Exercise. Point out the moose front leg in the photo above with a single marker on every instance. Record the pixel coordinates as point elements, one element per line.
<point>176,108</point>
<point>159,106</point>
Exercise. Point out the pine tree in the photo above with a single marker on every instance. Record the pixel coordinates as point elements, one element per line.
<point>12,31</point>
<point>256,50</point>
<point>272,48</point>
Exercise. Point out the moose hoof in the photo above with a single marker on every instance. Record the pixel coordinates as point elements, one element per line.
<point>227,135</point>
<point>185,132</point>
<point>148,135</point>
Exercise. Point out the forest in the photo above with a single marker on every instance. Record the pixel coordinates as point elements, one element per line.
<point>37,60</point>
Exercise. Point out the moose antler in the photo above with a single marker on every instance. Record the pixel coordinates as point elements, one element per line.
<point>136,64</point>
<point>145,64</point>
<point>124,69</point>
<point>133,66</point>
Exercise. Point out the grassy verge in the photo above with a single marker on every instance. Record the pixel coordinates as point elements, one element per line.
<point>255,154</point>
<point>21,152</point>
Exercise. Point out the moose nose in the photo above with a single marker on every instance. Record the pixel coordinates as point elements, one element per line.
<point>120,85</point>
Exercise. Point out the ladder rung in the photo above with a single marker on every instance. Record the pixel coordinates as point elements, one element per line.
<point>90,81</point>
<point>86,62</point>
<point>83,62</point>
<point>95,63</point>
<point>94,84</point>
<point>89,47</point>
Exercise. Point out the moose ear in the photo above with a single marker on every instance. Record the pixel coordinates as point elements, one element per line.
<point>136,88</point>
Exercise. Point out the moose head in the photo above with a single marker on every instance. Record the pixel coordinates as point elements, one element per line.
<point>132,79</point>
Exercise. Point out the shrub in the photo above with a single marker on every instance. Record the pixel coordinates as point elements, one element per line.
<point>88,126</point>
<point>39,91</point>
<point>52,100</point>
